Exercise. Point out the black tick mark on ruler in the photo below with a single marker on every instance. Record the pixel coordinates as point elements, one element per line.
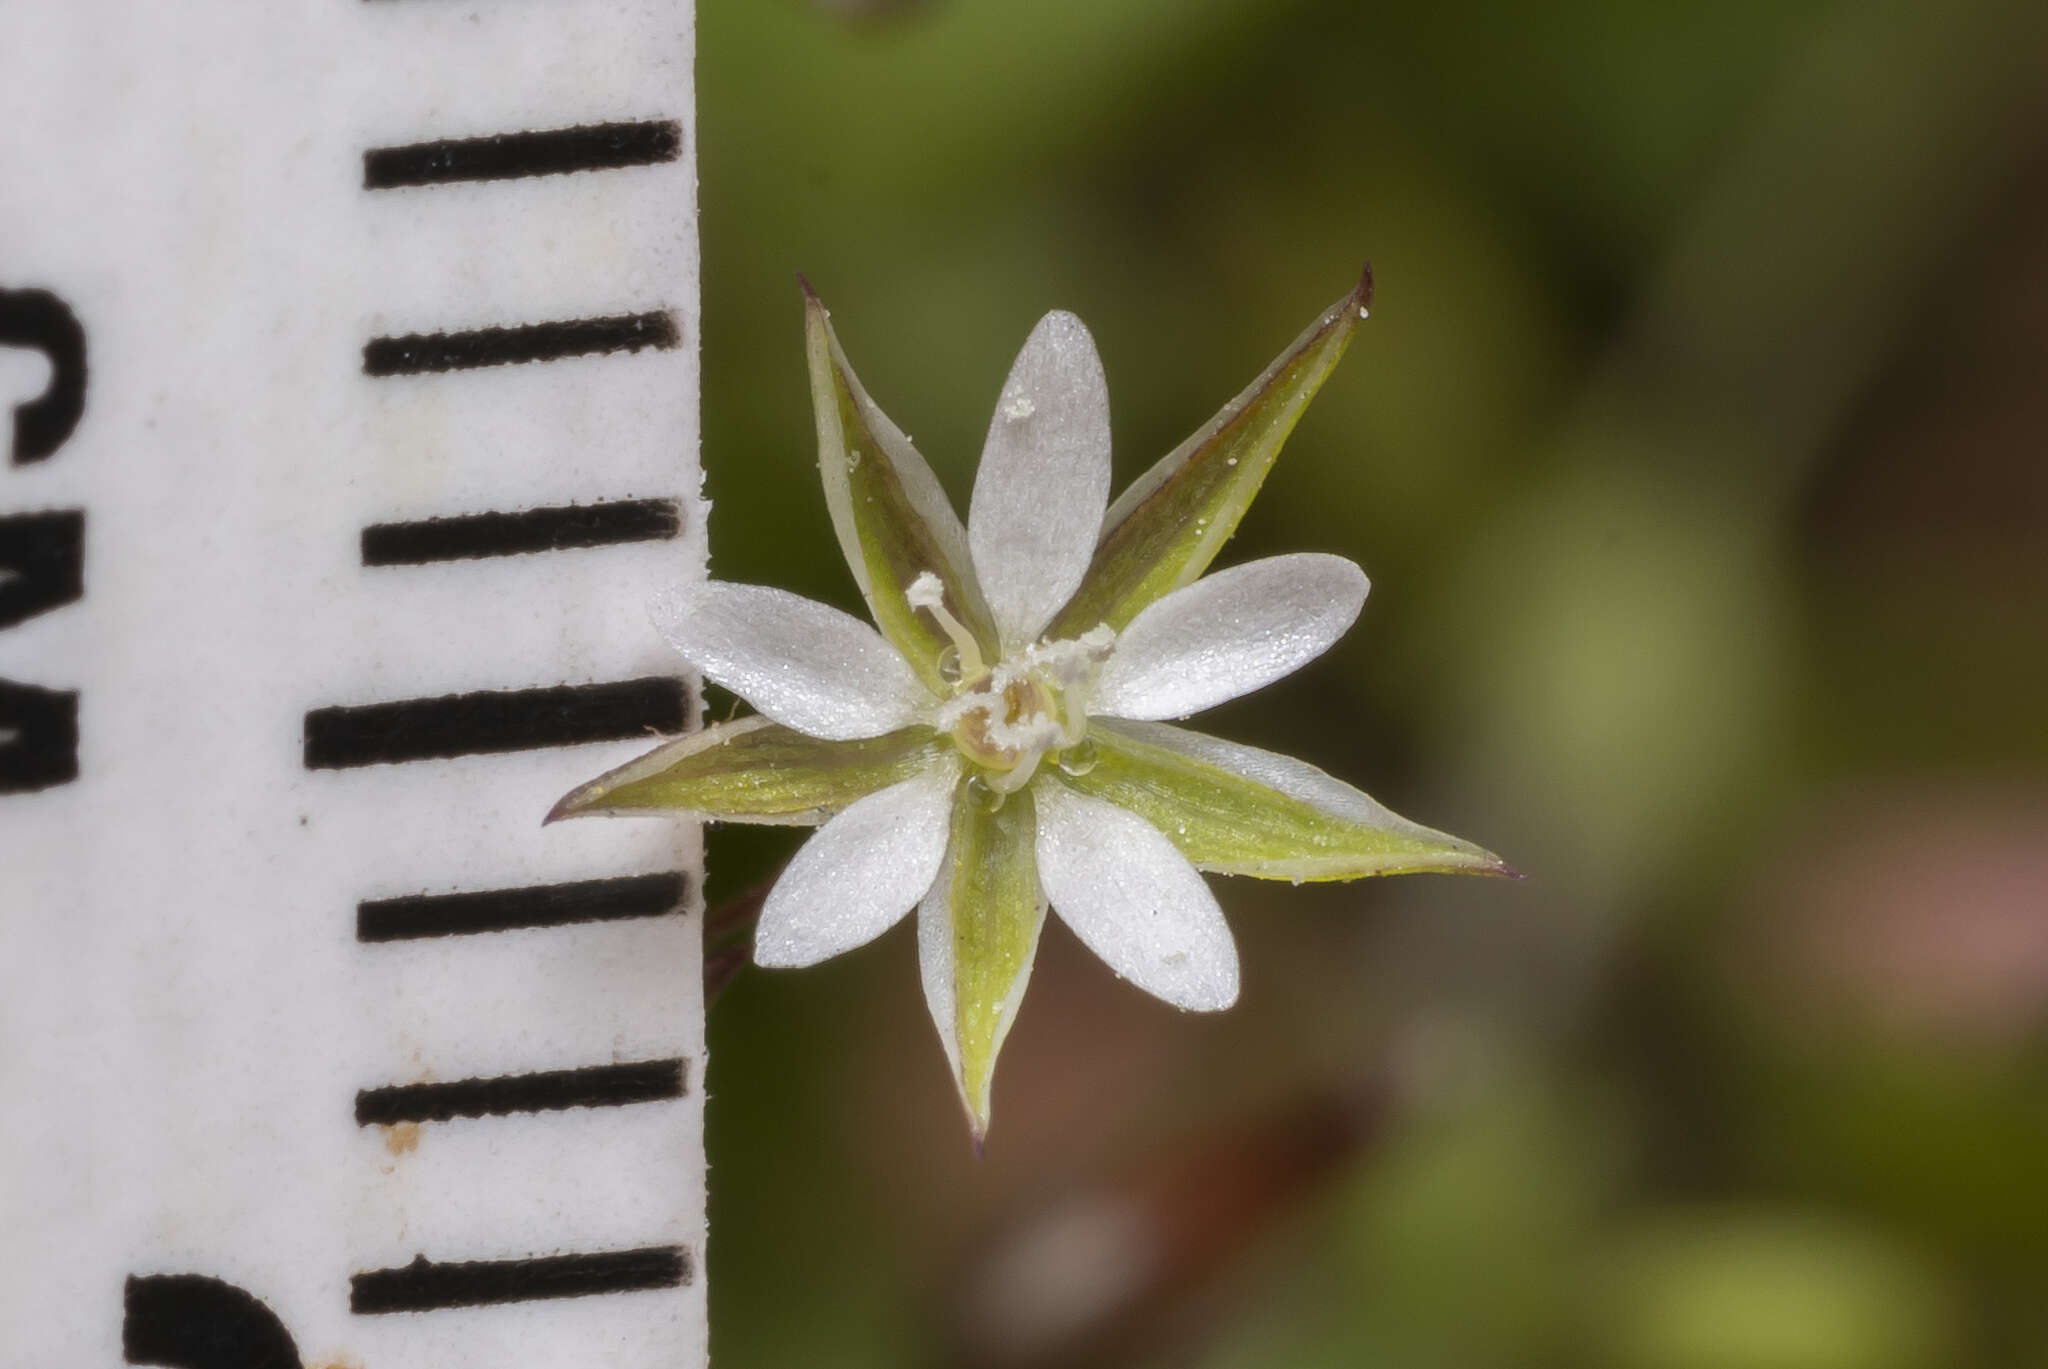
<point>508,156</point>
<point>593,1086</point>
<point>474,535</point>
<point>344,736</point>
<point>426,353</point>
<point>424,1286</point>
<point>504,910</point>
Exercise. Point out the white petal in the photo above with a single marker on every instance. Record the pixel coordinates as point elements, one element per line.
<point>1228,634</point>
<point>803,663</point>
<point>858,874</point>
<point>1044,479</point>
<point>1134,900</point>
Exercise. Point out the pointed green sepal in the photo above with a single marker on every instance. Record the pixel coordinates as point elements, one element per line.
<point>1165,529</point>
<point>754,770</point>
<point>977,934</point>
<point>1236,810</point>
<point>892,517</point>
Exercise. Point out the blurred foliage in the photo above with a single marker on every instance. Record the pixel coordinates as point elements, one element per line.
<point>1696,450</point>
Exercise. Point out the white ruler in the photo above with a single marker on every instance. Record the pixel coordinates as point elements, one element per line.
<point>355,349</point>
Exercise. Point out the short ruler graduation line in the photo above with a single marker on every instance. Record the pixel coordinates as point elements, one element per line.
<point>426,1286</point>
<point>591,1086</point>
<point>516,344</point>
<point>568,527</point>
<point>621,898</point>
<point>508,156</point>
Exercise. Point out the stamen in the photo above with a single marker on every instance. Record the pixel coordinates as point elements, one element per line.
<point>1011,780</point>
<point>926,592</point>
<point>1073,664</point>
<point>1074,717</point>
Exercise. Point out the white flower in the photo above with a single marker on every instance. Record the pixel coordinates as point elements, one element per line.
<point>1004,746</point>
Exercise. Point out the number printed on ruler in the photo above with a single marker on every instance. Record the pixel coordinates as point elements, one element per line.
<point>351,357</point>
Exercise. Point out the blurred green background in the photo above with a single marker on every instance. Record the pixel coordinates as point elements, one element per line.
<point>1698,451</point>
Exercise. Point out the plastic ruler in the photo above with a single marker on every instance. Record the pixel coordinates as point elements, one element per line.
<point>351,353</point>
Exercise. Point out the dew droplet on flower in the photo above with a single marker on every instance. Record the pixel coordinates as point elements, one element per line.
<point>986,796</point>
<point>852,458</point>
<point>1079,759</point>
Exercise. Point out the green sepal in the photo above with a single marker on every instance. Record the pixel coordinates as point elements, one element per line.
<point>1236,810</point>
<point>891,515</point>
<point>754,770</point>
<point>977,934</point>
<point>1164,530</point>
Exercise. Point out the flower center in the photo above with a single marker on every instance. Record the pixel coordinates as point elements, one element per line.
<point>999,726</point>
<point>1007,718</point>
